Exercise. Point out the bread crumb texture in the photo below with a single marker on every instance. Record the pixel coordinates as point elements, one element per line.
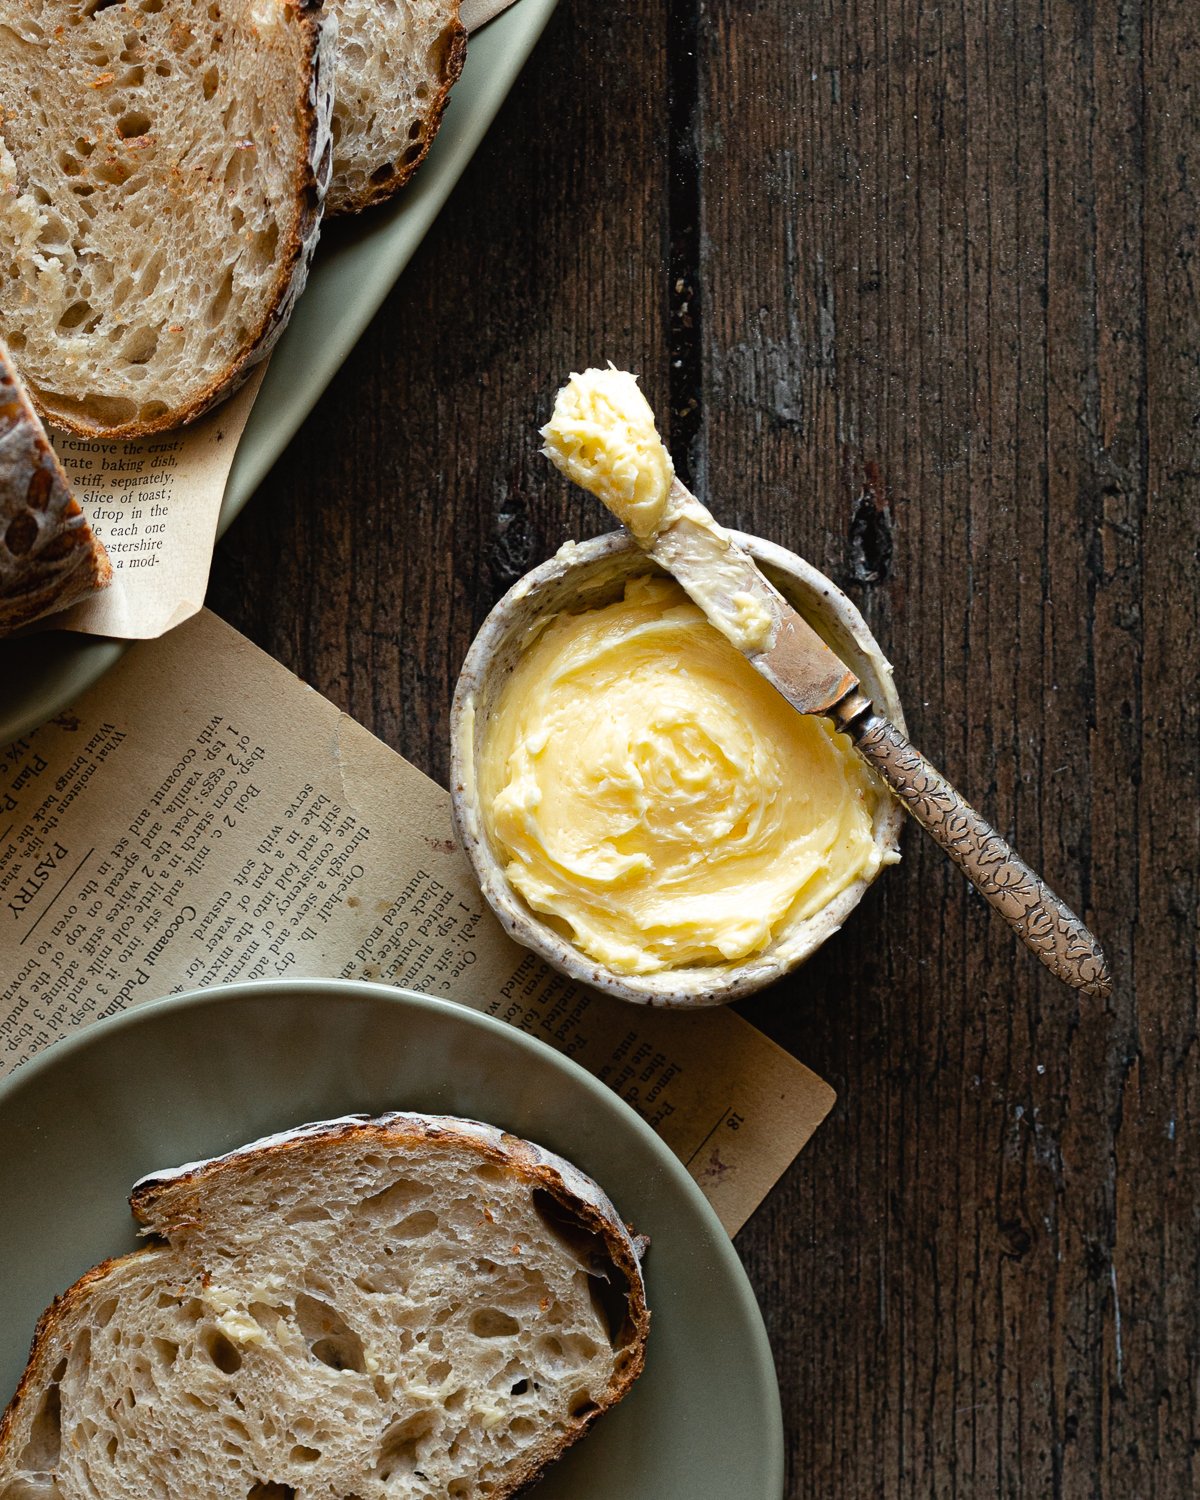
<point>396,63</point>
<point>160,192</point>
<point>409,1308</point>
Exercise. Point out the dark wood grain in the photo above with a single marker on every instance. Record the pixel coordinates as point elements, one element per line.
<point>917,286</point>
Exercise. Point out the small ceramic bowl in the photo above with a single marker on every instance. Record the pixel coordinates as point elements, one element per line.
<point>590,576</point>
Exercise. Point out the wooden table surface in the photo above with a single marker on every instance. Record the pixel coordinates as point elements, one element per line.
<point>914,288</point>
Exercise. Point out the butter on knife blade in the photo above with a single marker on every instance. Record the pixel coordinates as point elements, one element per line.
<point>602,435</point>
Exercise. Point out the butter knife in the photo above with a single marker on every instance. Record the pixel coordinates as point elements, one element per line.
<point>728,586</point>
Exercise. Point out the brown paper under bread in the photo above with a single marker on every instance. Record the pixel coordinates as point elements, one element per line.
<point>49,557</point>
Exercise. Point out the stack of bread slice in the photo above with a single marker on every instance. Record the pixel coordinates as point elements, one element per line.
<point>164,169</point>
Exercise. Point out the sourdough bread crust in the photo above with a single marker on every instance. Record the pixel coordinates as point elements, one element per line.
<point>313,111</point>
<point>49,556</point>
<point>412,152</point>
<point>169,1203</point>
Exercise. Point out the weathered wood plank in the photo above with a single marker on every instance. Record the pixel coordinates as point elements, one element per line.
<point>928,242</point>
<point>917,285</point>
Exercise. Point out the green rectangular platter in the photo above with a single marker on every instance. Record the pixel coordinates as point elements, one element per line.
<point>356,265</point>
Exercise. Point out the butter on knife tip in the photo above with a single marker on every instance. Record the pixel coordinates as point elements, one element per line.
<point>602,435</point>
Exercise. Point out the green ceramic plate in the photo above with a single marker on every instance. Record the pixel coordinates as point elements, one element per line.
<point>356,266</point>
<point>198,1074</point>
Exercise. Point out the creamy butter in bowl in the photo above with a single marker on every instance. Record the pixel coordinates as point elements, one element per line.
<point>641,808</point>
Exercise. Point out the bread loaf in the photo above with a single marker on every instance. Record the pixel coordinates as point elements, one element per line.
<point>49,557</point>
<point>406,1307</point>
<point>162,169</point>
<point>396,63</point>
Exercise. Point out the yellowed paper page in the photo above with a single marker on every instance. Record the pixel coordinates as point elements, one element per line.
<point>202,816</point>
<point>154,503</point>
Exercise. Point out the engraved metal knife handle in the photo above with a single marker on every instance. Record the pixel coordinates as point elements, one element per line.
<point>1046,925</point>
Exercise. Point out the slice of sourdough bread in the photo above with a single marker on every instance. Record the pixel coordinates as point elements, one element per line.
<point>49,557</point>
<point>397,61</point>
<point>162,169</point>
<point>406,1307</point>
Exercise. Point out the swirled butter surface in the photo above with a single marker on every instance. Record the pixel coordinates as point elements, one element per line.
<point>602,436</point>
<point>654,798</point>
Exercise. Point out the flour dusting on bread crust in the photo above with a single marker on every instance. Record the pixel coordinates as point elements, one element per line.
<point>49,556</point>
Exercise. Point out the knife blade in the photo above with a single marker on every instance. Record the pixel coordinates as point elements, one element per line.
<point>727,584</point>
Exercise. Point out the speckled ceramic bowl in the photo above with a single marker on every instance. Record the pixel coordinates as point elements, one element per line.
<point>586,577</point>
